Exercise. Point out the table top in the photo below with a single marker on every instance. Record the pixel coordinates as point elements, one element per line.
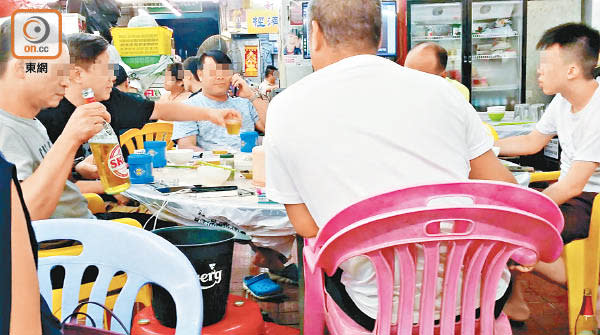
<point>192,208</point>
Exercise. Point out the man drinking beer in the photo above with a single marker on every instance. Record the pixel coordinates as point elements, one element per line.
<point>43,167</point>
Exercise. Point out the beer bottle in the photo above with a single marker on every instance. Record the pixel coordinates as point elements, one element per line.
<point>586,321</point>
<point>113,171</point>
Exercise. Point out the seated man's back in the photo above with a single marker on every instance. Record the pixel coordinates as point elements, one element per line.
<point>364,142</point>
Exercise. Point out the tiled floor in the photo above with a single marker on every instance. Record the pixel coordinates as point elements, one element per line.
<point>283,311</point>
<point>548,302</point>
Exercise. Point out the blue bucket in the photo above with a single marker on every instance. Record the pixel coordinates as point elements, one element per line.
<point>157,149</point>
<point>140,168</point>
<point>249,140</point>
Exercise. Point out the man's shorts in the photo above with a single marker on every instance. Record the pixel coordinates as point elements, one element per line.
<point>577,212</point>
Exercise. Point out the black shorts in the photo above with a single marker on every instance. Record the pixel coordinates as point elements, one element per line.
<point>577,212</point>
<point>338,293</point>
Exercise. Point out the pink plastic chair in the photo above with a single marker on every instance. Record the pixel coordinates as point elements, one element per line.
<point>495,222</point>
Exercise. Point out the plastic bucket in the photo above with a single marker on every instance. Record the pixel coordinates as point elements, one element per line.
<point>249,140</point>
<point>157,149</point>
<point>210,250</point>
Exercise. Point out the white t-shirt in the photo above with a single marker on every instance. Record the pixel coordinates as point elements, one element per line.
<point>333,140</point>
<point>578,134</point>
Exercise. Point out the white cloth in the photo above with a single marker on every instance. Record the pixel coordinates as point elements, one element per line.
<point>264,86</point>
<point>578,134</point>
<point>332,141</point>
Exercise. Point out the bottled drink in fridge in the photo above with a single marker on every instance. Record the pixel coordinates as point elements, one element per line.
<point>113,171</point>
<point>586,321</point>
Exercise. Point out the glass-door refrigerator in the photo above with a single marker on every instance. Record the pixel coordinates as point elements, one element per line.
<point>485,40</point>
<point>496,53</point>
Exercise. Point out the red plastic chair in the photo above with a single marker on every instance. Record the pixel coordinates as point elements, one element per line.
<point>494,222</point>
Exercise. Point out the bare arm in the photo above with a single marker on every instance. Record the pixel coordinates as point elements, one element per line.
<point>25,304</point>
<point>523,145</point>
<point>90,186</point>
<point>573,183</point>
<point>261,108</point>
<point>488,167</point>
<point>247,93</point>
<point>176,111</point>
<point>42,190</point>
<point>301,219</point>
<point>188,142</point>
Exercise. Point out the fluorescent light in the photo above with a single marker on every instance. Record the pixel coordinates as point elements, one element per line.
<point>168,5</point>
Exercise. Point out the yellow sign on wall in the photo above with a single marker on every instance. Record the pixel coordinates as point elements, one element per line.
<point>262,21</point>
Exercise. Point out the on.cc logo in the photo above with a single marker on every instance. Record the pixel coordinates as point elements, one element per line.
<point>36,30</point>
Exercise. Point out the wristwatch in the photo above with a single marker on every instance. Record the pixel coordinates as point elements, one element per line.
<point>254,96</point>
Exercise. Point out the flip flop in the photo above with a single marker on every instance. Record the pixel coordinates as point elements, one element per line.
<point>262,287</point>
<point>288,274</point>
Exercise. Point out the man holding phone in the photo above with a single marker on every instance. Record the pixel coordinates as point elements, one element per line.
<point>216,74</point>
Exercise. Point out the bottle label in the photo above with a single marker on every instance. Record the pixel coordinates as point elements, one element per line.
<point>116,163</point>
<point>586,332</point>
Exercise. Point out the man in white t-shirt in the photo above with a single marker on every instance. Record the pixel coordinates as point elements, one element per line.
<point>337,137</point>
<point>569,54</point>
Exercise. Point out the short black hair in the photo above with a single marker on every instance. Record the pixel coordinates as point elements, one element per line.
<point>176,70</point>
<point>219,57</point>
<point>270,70</point>
<point>85,48</point>
<point>192,64</point>
<point>582,40</point>
<point>121,75</point>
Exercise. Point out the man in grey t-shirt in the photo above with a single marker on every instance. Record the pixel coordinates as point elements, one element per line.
<point>43,168</point>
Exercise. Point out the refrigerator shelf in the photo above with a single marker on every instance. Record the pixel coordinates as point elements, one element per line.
<point>495,88</point>
<point>492,57</point>
<point>495,35</point>
<point>436,38</point>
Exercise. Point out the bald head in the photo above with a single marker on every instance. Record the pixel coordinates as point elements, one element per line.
<point>428,57</point>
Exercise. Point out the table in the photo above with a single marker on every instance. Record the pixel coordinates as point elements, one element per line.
<point>508,130</point>
<point>267,224</point>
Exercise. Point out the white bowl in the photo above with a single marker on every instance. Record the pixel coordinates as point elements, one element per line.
<point>212,176</point>
<point>180,156</point>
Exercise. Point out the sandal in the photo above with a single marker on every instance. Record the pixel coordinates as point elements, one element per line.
<point>288,274</point>
<point>262,287</point>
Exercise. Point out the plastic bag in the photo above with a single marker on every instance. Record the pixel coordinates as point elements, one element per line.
<point>97,19</point>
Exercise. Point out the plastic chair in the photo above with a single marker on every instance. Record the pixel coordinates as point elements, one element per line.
<point>144,297</point>
<point>158,131</point>
<point>487,230</point>
<point>491,131</point>
<point>154,261</point>
<point>581,256</point>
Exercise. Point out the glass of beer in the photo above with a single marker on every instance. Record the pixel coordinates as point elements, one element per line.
<point>233,126</point>
<point>113,171</point>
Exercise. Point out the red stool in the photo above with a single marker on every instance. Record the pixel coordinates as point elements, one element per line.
<point>242,317</point>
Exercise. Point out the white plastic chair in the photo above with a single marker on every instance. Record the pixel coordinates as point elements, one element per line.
<point>143,256</point>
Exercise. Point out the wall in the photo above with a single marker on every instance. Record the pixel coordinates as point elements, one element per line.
<point>591,13</point>
<point>542,15</point>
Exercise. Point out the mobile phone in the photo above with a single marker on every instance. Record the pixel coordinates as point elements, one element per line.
<point>234,90</point>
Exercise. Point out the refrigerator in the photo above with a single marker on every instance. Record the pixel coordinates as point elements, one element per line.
<point>485,41</point>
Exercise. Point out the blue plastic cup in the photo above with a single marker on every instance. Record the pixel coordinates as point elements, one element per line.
<point>140,168</point>
<point>157,149</point>
<point>249,140</point>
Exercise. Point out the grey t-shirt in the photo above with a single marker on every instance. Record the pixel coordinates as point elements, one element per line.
<point>25,142</point>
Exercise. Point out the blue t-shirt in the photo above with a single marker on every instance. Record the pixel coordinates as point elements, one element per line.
<point>209,136</point>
